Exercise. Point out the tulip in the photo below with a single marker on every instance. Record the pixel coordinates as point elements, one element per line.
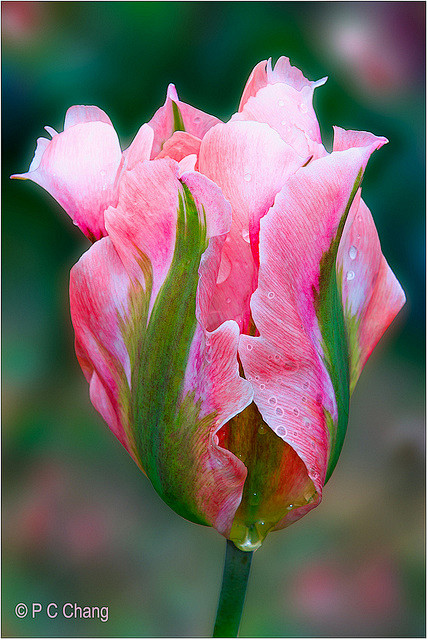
<point>232,295</point>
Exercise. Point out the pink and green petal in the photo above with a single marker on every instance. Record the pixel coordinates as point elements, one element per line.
<point>175,115</point>
<point>250,163</point>
<point>175,417</point>
<point>78,168</point>
<point>371,294</point>
<point>298,365</point>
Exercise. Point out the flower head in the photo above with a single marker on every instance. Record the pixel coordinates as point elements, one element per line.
<point>233,293</point>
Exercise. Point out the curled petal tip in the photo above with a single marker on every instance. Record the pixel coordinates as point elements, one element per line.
<point>172,92</point>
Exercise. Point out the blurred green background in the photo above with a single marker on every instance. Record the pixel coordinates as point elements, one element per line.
<point>80,522</point>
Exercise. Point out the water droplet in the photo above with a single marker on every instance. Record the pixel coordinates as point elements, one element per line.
<point>225,269</point>
<point>280,103</point>
<point>256,377</point>
<point>306,422</point>
<point>296,411</point>
<point>247,177</point>
<point>290,506</point>
<point>350,275</point>
<point>306,384</point>
<point>281,431</point>
<point>271,295</point>
<point>254,498</point>
<point>277,357</point>
<point>279,412</point>
<point>261,430</point>
<point>353,252</point>
<point>250,348</point>
<point>272,400</point>
<point>303,107</point>
<point>246,235</point>
<point>196,119</point>
<point>304,398</point>
<point>228,300</point>
<point>262,386</point>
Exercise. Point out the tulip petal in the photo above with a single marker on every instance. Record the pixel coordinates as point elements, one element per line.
<point>250,163</point>
<point>298,365</point>
<point>371,294</point>
<point>175,115</point>
<point>80,113</point>
<point>283,99</point>
<point>184,381</point>
<point>140,148</point>
<point>180,145</point>
<point>78,168</point>
<point>99,291</point>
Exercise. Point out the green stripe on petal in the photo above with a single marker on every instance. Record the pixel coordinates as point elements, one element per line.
<point>329,311</point>
<point>163,423</point>
<point>178,118</point>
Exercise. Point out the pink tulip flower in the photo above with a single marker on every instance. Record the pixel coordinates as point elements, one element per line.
<point>234,291</point>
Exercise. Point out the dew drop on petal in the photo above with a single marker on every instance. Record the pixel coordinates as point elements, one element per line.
<point>272,400</point>
<point>250,348</point>
<point>225,269</point>
<point>290,506</point>
<point>303,107</point>
<point>262,386</point>
<point>279,412</point>
<point>196,119</point>
<point>246,235</point>
<point>254,498</point>
<point>304,398</point>
<point>306,384</point>
<point>271,295</point>
<point>353,252</point>
<point>281,431</point>
<point>228,300</point>
<point>247,177</point>
<point>296,411</point>
<point>350,275</point>
<point>261,430</point>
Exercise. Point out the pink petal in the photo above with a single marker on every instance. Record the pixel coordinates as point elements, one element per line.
<point>140,148</point>
<point>99,290</point>
<point>290,113</point>
<point>180,145</point>
<point>371,294</point>
<point>250,163</point>
<point>285,363</point>
<point>283,72</point>
<point>196,122</point>
<point>344,139</point>
<point>286,73</point>
<point>80,113</point>
<point>78,168</point>
<point>144,220</point>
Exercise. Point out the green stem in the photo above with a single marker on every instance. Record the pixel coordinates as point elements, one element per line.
<point>235,577</point>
